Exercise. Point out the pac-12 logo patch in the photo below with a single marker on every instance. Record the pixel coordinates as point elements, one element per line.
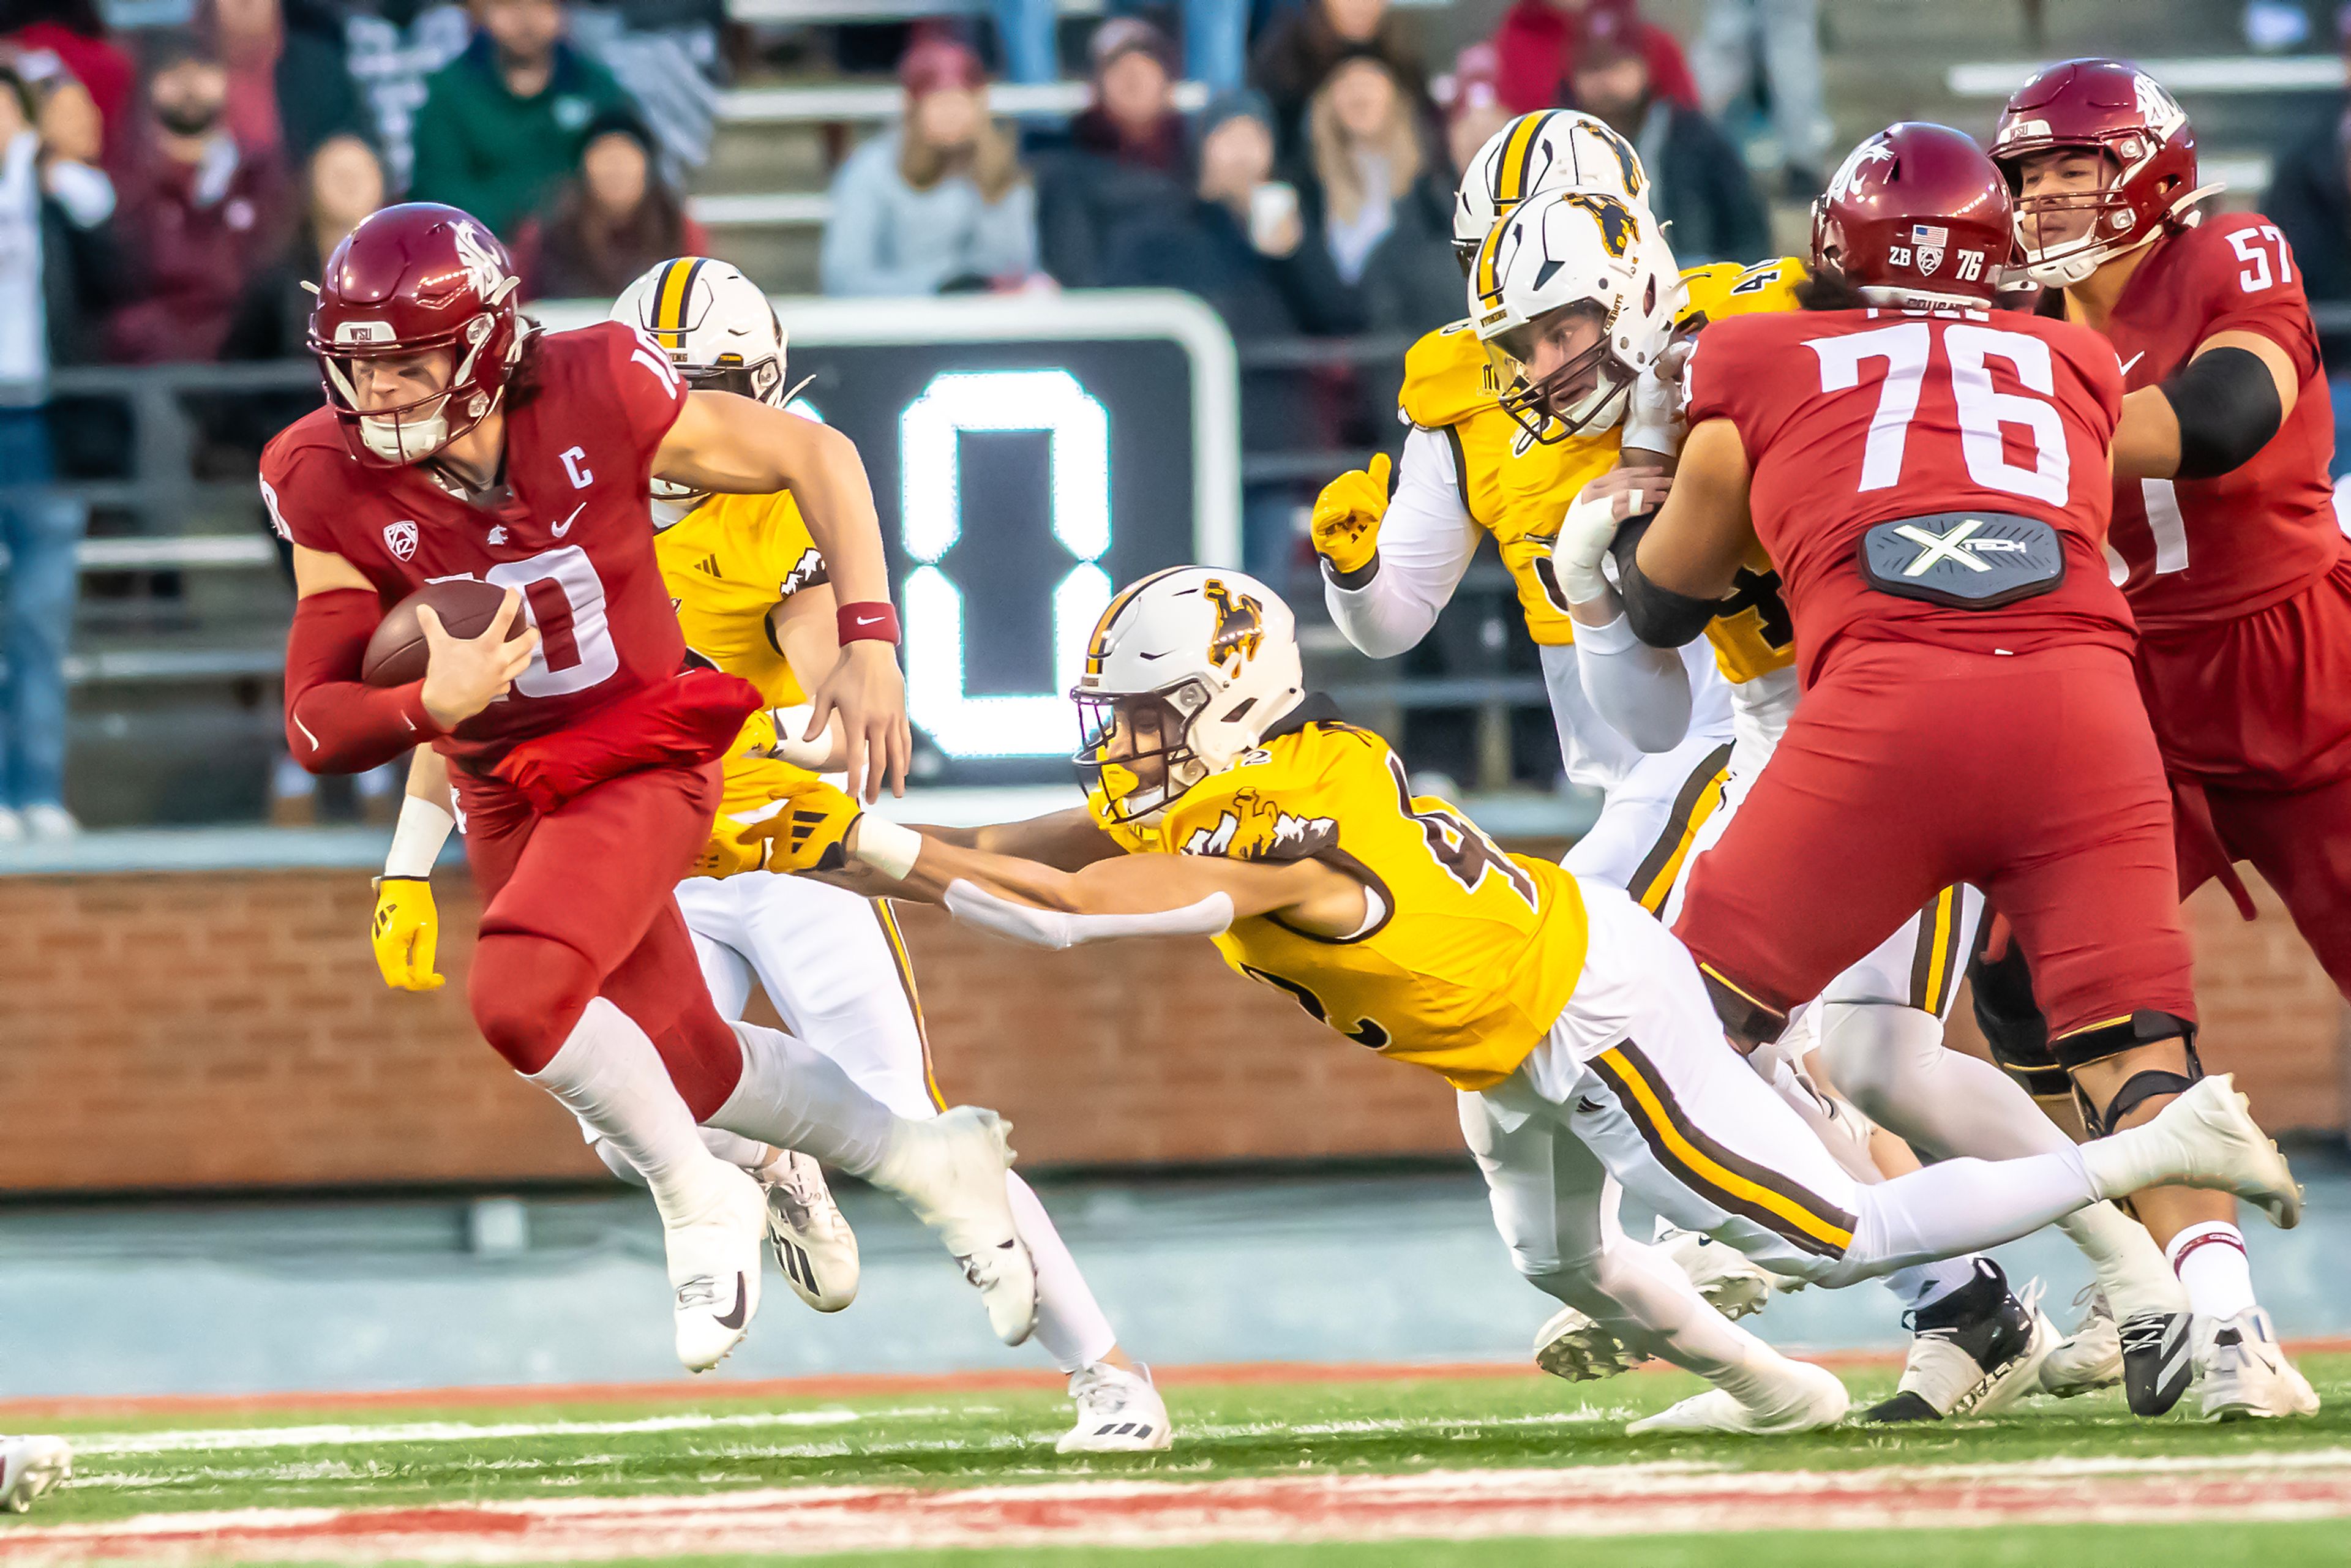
<point>400,538</point>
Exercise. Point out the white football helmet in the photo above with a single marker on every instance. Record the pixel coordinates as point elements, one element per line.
<point>718,328</point>
<point>1573,250</point>
<point>1186,671</point>
<point>1550,150</point>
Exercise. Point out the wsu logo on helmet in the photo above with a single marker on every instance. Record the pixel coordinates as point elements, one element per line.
<point>1241,623</point>
<point>483,268</point>
<point>400,538</point>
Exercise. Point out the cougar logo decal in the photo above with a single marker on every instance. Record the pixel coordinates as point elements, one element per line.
<point>1618,227</point>
<point>481,264</point>
<point>1241,623</point>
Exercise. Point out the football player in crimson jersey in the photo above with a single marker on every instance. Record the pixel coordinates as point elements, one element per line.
<point>2226,542</point>
<point>459,441</point>
<point>1959,641</point>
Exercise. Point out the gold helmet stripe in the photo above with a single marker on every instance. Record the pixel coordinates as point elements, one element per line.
<point>1489,268</point>
<point>1516,167</point>
<point>670,297</point>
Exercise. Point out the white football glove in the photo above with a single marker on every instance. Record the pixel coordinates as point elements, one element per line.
<point>1585,534</point>
<point>1654,420</point>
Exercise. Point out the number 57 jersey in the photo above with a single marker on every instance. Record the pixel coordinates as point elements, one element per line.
<point>571,528</point>
<point>1939,478</point>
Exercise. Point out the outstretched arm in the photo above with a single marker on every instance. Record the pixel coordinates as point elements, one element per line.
<point>738,445</point>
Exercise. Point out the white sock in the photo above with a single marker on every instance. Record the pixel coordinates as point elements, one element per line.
<point>1960,1206</point>
<point>795,1097</point>
<point>2210,1261</point>
<point>2130,1266</point>
<point>735,1149</point>
<point>610,1076</point>
<point>1069,1322</point>
<point>1924,1284</point>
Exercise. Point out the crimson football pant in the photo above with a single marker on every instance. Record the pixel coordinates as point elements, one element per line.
<point>579,904</point>
<point>2255,713</point>
<point>1909,767</point>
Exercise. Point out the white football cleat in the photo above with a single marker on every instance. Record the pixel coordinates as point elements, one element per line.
<point>1732,1283</point>
<point>31,1466</point>
<point>813,1244</point>
<point>2222,1147</point>
<point>2091,1357</point>
<point>2246,1374</point>
<point>950,1171</point>
<point>714,1270</point>
<point>1810,1397</point>
<point>1119,1412</point>
<point>1572,1346</point>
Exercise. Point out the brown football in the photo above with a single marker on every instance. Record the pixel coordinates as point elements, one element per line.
<point>395,655</point>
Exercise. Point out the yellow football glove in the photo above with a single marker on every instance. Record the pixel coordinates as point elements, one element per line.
<point>1346,523</point>
<point>726,852</point>
<point>810,832</point>
<point>406,930</point>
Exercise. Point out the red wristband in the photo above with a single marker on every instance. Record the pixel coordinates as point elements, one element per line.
<point>875,621</point>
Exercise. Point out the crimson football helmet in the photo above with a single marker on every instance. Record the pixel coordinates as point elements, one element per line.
<point>409,280</point>
<point>2142,135</point>
<point>1917,217</point>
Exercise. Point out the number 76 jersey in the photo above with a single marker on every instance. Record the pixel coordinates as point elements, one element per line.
<point>572,530</point>
<point>1467,955</point>
<point>1939,478</point>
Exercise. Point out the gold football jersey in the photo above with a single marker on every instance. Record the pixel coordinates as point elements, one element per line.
<point>1471,954</point>
<point>1450,385</point>
<point>726,563</point>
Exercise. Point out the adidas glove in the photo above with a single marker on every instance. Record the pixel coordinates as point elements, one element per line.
<point>406,930</point>
<point>809,832</point>
<point>1345,527</point>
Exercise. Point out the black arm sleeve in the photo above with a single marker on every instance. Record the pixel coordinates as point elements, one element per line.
<point>1659,616</point>
<point>2227,406</point>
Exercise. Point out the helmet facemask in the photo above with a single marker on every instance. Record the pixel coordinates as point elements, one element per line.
<point>2064,237</point>
<point>1587,392</point>
<point>398,435</point>
<point>1136,747</point>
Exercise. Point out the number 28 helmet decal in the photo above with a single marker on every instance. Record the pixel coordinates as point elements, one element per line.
<point>1186,671</point>
<point>1573,250</point>
<point>411,280</point>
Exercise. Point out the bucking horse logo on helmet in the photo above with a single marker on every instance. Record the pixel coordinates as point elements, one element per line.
<point>1241,623</point>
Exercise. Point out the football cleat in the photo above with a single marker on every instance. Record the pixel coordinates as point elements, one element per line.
<point>1975,1353</point>
<point>1571,1345</point>
<point>1119,1412</point>
<point>2091,1357</point>
<point>950,1171</point>
<point>2160,1361</point>
<point>30,1466</point>
<point>713,1271</point>
<point>2220,1146</point>
<point>2246,1374</point>
<point>1809,1398</point>
<point>813,1244</point>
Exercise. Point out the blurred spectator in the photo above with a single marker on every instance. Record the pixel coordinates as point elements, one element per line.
<point>75,33</point>
<point>1216,39</point>
<point>1473,105</point>
<point>610,222</point>
<point>2310,199</point>
<point>940,201</point>
<point>1701,187</point>
<point>1127,155</point>
<point>394,48</point>
<point>1299,52</point>
<point>198,215</point>
<point>1786,36</point>
<point>1239,245</point>
<point>504,122</point>
<point>81,263</point>
<point>1536,44</point>
<point>39,527</point>
<point>1374,205</point>
<point>342,184</point>
<point>288,87</point>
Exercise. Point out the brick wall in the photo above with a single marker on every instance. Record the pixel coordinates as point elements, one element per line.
<point>228,1030</point>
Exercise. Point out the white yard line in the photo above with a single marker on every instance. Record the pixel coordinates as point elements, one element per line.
<point>1600,1500</point>
<point>341,1435</point>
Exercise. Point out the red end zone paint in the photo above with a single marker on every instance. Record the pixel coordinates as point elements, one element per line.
<point>1620,1500</point>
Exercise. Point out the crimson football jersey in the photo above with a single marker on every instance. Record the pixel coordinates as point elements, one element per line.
<point>2200,550</point>
<point>1925,478</point>
<point>572,530</point>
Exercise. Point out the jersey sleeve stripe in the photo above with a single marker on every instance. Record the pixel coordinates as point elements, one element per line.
<point>1729,1180</point>
<point>1700,793</point>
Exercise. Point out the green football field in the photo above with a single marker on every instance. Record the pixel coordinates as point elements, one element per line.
<point>1481,1472</point>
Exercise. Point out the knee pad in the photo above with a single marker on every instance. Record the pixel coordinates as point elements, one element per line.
<point>2145,1027</point>
<point>2012,1022</point>
<point>525,993</point>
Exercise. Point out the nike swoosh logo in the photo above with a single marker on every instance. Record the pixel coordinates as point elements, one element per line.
<point>309,736</point>
<point>742,1312</point>
<point>2132,360</point>
<point>564,526</point>
<point>869,621</point>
